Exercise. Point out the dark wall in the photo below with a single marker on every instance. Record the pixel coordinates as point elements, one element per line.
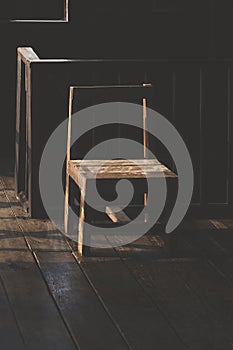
<point>32,9</point>
<point>123,29</point>
<point>169,30</point>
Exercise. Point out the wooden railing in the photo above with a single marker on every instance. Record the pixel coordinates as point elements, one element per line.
<point>195,95</point>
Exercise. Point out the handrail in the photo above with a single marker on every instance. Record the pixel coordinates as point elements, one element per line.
<point>28,55</point>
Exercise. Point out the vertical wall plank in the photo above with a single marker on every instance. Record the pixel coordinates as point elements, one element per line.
<point>187,116</point>
<point>230,133</point>
<point>215,132</point>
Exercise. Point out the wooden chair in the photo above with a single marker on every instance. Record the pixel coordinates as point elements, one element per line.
<point>81,171</point>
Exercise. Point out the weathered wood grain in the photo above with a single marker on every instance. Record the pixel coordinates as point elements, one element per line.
<point>170,293</point>
<point>37,315</point>
<point>139,319</point>
<point>10,334</point>
<point>40,234</point>
<point>117,215</point>
<point>163,281</point>
<point>91,325</point>
<point>11,236</point>
<point>149,168</point>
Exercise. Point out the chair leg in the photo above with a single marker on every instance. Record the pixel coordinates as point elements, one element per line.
<point>81,220</point>
<point>66,207</point>
<point>146,216</point>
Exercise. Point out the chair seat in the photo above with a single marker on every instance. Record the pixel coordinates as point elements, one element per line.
<point>114,169</point>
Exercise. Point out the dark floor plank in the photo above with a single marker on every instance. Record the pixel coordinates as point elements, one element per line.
<point>183,308</point>
<point>183,243</point>
<point>164,281</point>
<point>39,320</point>
<point>224,237</point>
<point>228,223</point>
<point>219,224</point>
<point>212,288</point>
<point>10,336</point>
<point>11,236</point>
<point>224,265</point>
<point>166,246</point>
<point>40,234</point>
<point>197,239</point>
<point>203,242</point>
<point>8,198</point>
<point>142,323</point>
<point>86,316</point>
<point>197,224</point>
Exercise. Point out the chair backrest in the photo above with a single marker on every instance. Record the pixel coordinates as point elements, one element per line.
<point>85,96</point>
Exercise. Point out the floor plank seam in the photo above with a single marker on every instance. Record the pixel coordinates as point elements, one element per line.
<point>153,302</point>
<point>13,313</point>
<point>102,302</point>
<point>200,298</point>
<point>42,275</point>
<point>75,341</point>
<point>229,281</point>
<point>208,308</point>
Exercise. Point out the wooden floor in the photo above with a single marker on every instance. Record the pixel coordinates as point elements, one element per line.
<point>153,294</point>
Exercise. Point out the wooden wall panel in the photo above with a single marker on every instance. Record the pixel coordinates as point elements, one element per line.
<point>215,116</point>
<point>223,28</point>
<point>230,135</point>
<point>187,116</point>
<point>195,96</point>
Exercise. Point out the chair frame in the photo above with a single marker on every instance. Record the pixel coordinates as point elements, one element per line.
<point>81,178</point>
